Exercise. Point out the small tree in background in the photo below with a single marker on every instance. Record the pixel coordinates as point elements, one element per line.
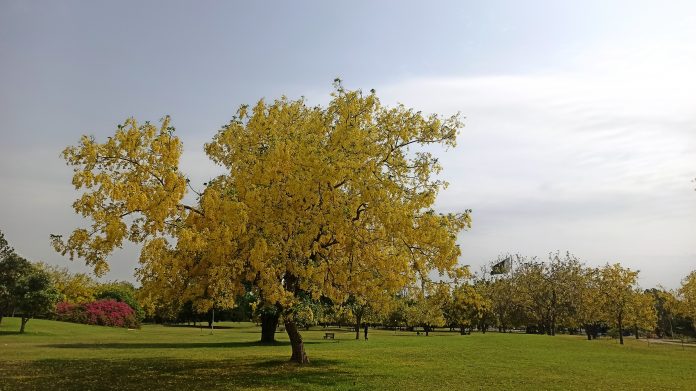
<point>590,315</point>
<point>466,308</point>
<point>34,294</point>
<point>12,269</point>
<point>426,306</point>
<point>642,315</point>
<point>616,291</point>
<point>667,307</point>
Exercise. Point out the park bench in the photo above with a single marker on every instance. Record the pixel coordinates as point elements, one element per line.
<point>329,336</point>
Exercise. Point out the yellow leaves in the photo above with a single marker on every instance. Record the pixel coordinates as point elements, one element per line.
<point>133,172</point>
<point>687,291</point>
<point>641,311</point>
<point>330,201</point>
<point>466,305</point>
<point>616,287</point>
<point>257,256</point>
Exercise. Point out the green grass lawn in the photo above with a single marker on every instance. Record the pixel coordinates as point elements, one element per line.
<point>58,356</point>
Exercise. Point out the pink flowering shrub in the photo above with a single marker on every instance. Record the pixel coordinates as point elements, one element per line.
<point>101,312</point>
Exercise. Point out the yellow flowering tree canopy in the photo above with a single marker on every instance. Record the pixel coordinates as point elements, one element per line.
<point>316,201</point>
<point>131,190</point>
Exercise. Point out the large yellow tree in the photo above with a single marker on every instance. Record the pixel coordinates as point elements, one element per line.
<point>316,201</point>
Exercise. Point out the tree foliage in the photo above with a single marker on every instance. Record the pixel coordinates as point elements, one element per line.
<point>318,201</point>
<point>5,249</point>
<point>688,294</point>
<point>467,308</point>
<point>34,294</point>
<point>75,288</point>
<point>13,270</point>
<point>641,314</point>
<point>616,290</point>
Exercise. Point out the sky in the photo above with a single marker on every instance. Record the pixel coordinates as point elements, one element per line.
<point>580,117</point>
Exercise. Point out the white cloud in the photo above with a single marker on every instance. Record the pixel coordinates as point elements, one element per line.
<point>596,159</point>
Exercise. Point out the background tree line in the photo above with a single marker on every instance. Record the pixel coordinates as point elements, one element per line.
<point>558,295</point>
<point>35,289</point>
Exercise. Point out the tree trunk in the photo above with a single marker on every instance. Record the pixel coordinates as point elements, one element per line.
<point>24,323</point>
<point>427,330</point>
<point>0,318</point>
<point>671,329</point>
<point>212,320</point>
<point>636,332</point>
<point>298,352</point>
<point>357,326</point>
<point>620,330</point>
<point>269,323</point>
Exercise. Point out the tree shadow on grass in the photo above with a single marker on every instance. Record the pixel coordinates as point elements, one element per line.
<point>159,374</point>
<point>170,345</point>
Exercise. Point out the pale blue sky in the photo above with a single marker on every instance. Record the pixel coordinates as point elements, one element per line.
<point>581,116</point>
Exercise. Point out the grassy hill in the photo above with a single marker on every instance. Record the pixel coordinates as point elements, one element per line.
<point>65,356</point>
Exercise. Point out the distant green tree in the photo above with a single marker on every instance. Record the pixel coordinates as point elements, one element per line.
<point>34,294</point>
<point>12,269</point>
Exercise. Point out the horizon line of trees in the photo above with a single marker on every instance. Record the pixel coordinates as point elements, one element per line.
<point>559,295</point>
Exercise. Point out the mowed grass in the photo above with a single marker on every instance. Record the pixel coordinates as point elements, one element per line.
<point>65,356</point>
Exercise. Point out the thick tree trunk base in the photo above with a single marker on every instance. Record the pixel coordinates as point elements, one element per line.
<point>298,352</point>
<point>23,325</point>
<point>269,323</point>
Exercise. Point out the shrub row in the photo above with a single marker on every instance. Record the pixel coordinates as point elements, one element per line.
<point>101,312</point>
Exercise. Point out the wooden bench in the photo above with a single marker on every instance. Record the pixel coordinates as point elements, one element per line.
<point>329,336</point>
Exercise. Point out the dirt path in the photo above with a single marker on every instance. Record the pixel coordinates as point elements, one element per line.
<point>669,342</point>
